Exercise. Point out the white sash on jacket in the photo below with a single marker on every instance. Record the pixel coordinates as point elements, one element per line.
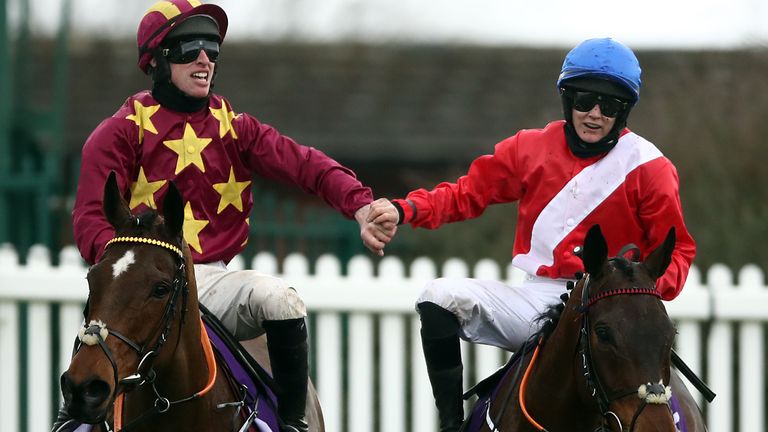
<point>580,196</point>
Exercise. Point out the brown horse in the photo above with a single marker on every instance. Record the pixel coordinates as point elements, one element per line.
<point>601,361</point>
<point>145,362</point>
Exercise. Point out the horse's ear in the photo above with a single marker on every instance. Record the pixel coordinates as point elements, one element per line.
<point>595,252</point>
<point>173,211</point>
<point>115,208</point>
<point>658,260</point>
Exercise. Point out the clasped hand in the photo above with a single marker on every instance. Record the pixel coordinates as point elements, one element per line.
<point>378,224</point>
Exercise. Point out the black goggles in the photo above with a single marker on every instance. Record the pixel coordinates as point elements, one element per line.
<point>585,101</point>
<point>188,51</point>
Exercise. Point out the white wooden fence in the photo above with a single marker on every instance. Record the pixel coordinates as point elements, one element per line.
<point>368,365</point>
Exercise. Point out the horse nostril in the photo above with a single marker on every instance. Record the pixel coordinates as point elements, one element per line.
<point>91,393</point>
<point>95,392</point>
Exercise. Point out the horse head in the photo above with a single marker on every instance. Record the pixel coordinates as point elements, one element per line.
<point>137,303</point>
<point>626,336</point>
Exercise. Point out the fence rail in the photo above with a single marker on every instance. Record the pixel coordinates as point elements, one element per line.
<point>367,361</point>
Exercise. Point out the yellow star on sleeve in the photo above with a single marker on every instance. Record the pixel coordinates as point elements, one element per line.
<point>192,228</point>
<point>231,192</point>
<point>143,118</point>
<point>143,191</point>
<point>225,117</point>
<point>189,148</point>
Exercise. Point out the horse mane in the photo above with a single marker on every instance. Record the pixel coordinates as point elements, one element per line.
<point>625,266</point>
<point>548,321</point>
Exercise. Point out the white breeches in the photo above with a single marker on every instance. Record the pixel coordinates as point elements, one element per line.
<point>244,299</point>
<point>491,312</point>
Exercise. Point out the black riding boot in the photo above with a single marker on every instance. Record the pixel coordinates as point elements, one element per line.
<point>287,345</point>
<point>447,389</point>
<point>442,352</point>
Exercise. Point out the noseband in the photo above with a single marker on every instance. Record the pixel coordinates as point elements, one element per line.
<point>654,393</point>
<point>96,332</point>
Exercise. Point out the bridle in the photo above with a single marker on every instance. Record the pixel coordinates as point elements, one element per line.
<point>649,393</point>
<point>653,393</point>
<point>96,332</point>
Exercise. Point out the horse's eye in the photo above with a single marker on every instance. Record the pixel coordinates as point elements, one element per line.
<point>161,290</point>
<point>603,334</point>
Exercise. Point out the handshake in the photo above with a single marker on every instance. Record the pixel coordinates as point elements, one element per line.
<point>378,224</point>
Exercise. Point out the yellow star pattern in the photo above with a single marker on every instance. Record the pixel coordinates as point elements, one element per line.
<point>192,228</point>
<point>143,118</point>
<point>225,117</point>
<point>189,148</point>
<point>231,192</point>
<point>143,191</point>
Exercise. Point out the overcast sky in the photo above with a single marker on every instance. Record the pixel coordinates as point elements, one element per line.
<point>665,24</point>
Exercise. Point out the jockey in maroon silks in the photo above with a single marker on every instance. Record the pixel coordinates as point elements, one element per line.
<point>181,131</point>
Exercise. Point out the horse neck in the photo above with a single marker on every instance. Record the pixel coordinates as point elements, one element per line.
<point>186,365</point>
<point>554,378</point>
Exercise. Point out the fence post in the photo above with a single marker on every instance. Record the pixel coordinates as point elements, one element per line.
<point>360,348</point>
<point>9,358</point>
<point>719,353</point>
<point>328,339</point>
<point>751,355</point>
<point>392,333</point>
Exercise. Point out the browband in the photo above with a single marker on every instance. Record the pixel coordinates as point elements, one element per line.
<point>151,241</point>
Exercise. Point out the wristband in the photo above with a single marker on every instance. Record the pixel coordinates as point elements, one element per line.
<point>400,212</point>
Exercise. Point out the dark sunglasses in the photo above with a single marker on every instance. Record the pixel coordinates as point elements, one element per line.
<point>188,51</point>
<point>585,101</point>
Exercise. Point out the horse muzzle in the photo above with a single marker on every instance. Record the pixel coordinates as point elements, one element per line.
<point>86,401</point>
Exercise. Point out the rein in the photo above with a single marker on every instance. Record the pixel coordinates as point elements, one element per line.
<point>524,385</point>
<point>96,332</point>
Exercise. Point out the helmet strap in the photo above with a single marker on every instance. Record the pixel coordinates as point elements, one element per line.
<point>165,92</point>
<point>583,149</point>
<point>162,69</point>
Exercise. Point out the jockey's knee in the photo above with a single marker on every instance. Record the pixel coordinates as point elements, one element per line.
<point>282,302</point>
<point>441,292</point>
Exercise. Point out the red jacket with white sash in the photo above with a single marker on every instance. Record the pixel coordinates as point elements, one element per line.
<point>632,192</point>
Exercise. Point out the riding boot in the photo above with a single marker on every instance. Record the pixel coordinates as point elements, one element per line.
<point>447,389</point>
<point>442,352</point>
<point>288,352</point>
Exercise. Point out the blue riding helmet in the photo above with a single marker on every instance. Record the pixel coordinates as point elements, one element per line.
<point>603,58</point>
